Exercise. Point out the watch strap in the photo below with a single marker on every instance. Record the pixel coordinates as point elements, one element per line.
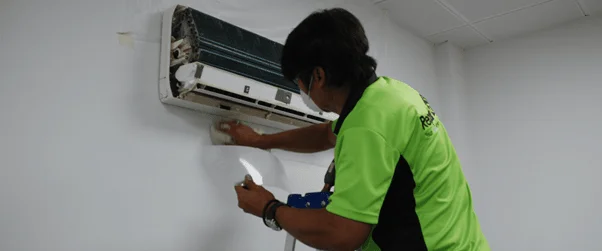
<point>270,215</point>
<point>265,209</point>
<point>329,177</point>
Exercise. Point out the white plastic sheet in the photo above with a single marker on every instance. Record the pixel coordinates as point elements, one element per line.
<point>234,162</point>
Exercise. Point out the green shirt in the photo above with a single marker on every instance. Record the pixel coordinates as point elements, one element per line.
<point>397,170</point>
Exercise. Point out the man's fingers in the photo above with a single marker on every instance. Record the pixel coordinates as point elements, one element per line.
<point>226,126</point>
<point>249,183</point>
<point>239,189</point>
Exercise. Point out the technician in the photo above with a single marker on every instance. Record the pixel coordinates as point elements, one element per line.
<point>399,183</point>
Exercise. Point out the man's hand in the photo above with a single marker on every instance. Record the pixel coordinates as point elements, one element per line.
<point>242,135</point>
<point>252,198</point>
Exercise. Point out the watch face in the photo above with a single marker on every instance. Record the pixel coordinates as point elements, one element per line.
<point>272,224</point>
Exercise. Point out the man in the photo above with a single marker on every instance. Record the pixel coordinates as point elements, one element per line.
<point>399,183</point>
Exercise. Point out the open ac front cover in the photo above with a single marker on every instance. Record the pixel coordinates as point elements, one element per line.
<point>238,72</point>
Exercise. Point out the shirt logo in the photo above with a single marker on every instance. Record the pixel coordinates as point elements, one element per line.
<point>429,119</point>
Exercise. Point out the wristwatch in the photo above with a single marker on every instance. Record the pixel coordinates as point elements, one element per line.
<point>269,214</point>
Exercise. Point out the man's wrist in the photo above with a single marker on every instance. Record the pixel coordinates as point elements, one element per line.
<point>264,141</point>
<point>269,214</point>
<point>266,207</point>
<point>278,213</point>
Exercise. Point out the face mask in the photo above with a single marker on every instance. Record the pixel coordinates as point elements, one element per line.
<point>307,100</point>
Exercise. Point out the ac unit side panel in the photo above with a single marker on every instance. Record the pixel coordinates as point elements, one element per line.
<point>164,74</point>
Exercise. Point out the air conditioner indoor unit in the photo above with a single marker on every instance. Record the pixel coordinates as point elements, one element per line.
<point>215,67</point>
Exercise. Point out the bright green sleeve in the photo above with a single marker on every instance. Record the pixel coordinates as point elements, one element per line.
<point>364,164</point>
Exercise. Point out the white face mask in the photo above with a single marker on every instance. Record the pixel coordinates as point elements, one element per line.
<point>307,100</point>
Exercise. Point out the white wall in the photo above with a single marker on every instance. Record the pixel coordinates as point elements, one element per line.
<point>449,68</point>
<point>535,112</point>
<point>91,160</point>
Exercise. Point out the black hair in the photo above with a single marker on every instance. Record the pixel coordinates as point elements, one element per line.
<point>333,39</point>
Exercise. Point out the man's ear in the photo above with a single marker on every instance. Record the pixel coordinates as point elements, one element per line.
<point>319,77</point>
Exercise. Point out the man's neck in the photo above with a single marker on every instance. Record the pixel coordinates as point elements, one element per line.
<point>340,98</point>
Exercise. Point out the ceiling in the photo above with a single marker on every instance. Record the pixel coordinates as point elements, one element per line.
<point>470,23</point>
